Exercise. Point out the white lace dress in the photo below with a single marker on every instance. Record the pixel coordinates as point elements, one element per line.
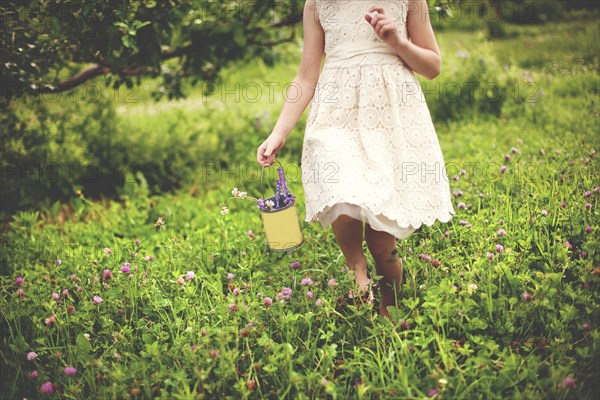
<point>370,149</point>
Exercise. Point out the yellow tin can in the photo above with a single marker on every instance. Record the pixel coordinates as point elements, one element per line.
<point>282,226</point>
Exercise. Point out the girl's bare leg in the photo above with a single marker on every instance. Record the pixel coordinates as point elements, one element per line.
<point>382,246</point>
<point>349,236</point>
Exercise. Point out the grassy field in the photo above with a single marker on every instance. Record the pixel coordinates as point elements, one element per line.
<point>163,296</point>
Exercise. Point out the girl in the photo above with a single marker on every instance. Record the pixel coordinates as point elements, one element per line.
<point>371,164</point>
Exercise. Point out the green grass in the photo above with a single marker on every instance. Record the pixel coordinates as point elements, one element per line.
<point>466,327</point>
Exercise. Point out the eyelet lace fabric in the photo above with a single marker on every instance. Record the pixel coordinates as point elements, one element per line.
<point>370,149</point>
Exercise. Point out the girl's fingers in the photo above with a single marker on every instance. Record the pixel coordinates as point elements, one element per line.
<point>379,9</point>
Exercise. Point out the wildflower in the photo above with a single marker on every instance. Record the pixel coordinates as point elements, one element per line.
<point>159,223</point>
<point>587,193</point>
<point>180,280</point>
<point>213,353</point>
<point>79,289</point>
<point>236,292</point>
<point>97,299</point>
<point>31,356</point>
<point>47,387</point>
<point>269,204</point>
<point>306,281</point>
<point>472,288</point>
<point>569,383</point>
<point>50,320</point>
<point>584,255</point>
<point>107,274</point>
<point>544,213</point>
<point>19,281</point>
<point>442,382</point>
<point>20,293</point>
<point>251,385</point>
<point>230,276</point>
<point>461,205</point>
<point>463,172</point>
<point>74,278</point>
<point>588,229</point>
<point>190,275</point>
<point>490,256</point>
<point>232,307</point>
<point>503,169</point>
<point>463,222</point>
<point>309,295</point>
<point>507,157</point>
<point>70,309</point>
<point>285,294</point>
<point>107,251</point>
<point>563,204</point>
<point>235,192</point>
<point>250,234</point>
<point>526,296</point>
<point>455,178</point>
<point>568,246</point>
<point>58,261</point>
<point>295,264</point>
<point>586,326</point>
<point>435,263</point>
<point>65,293</point>
<point>125,268</point>
<point>33,374</point>
<point>588,206</point>
<point>203,332</point>
<point>499,248</point>
<point>137,242</point>
<point>55,296</point>
<point>319,302</point>
<point>432,393</point>
<point>501,232</point>
<point>332,283</point>
<point>70,371</point>
<point>267,301</point>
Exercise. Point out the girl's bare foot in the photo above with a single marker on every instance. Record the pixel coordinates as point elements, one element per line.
<point>389,288</point>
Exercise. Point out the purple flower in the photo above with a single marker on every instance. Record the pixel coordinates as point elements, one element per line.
<point>461,205</point>
<point>232,307</point>
<point>432,393</point>
<point>503,169</point>
<point>309,295</point>
<point>236,291</point>
<point>230,276</point>
<point>306,281</point>
<point>514,150</point>
<point>137,242</point>
<point>501,232</point>
<point>31,356</point>
<point>463,172</point>
<point>55,296</point>
<point>79,289</point>
<point>250,234</point>
<point>125,268</point>
<point>58,261</point>
<point>586,326</point>
<point>587,194</point>
<point>507,157</point>
<point>490,256</point>
<point>588,206</point>
<point>97,300</point>
<point>70,371</point>
<point>544,213</point>
<point>19,281</point>
<point>526,296</point>
<point>499,248</point>
<point>47,387</point>
<point>319,302</point>
<point>65,293</point>
<point>107,274</point>
<point>190,275</point>
<point>463,222</point>
<point>285,294</point>
<point>563,204</point>
<point>332,282</point>
<point>568,246</point>
<point>588,229</point>
<point>295,264</point>
<point>33,374</point>
<point>267,301</point>
<point>569,383</point>
<point>455,178</point>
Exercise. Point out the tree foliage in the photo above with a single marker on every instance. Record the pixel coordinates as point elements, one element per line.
<point>52,46</point>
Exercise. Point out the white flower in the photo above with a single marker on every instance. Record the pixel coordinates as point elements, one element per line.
<point>242,195</point>
<point>472,288</point>
<point>269,204</point>
<point>235,192</point>
<point>224,210</point>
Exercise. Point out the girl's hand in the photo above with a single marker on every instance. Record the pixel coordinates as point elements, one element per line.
<point>267,151</point>
<point>385,28</point>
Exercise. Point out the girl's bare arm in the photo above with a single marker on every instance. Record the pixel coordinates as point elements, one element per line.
<point>302,90</point>
<point>421,52</point>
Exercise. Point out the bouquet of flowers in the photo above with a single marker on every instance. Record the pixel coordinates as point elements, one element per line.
<point>279,215</point>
